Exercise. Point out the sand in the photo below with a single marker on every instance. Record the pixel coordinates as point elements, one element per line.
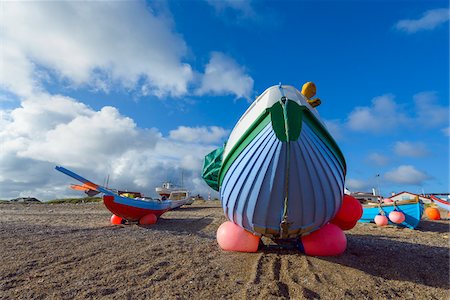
<point>68,251</point>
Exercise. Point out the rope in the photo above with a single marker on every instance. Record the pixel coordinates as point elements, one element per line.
<point>284,223</point>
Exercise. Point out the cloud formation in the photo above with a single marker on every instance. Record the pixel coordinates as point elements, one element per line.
<point>224,76</point>
<point>378,159</point>
<point>429,21</point>
<point>54,130</point>
<point>242,8</point>
<point>429,113</point>
<point>82,45</point>
<point>203,135</point>
<point>406,174</point>
<point>357,185</point>
<point>410,149</point>
<point>383,114</point>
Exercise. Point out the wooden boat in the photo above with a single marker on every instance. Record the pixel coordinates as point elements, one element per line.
<point>130,206</point>
<point>281,174</point>
<point>441,203</point>
<point>412,209</point>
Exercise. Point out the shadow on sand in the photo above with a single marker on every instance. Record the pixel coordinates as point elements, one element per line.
<point>183,226</point>
<point>433,226</point>
<point>397,260</point>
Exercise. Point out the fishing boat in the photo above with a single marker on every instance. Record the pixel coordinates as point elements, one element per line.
<point>130,206</point>
<point>281,173</point>
<point>440,202</point>
<point>167,189</point>
<point>411,208</point>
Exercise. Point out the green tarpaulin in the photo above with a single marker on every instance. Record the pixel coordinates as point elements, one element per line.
<point>211,168</point>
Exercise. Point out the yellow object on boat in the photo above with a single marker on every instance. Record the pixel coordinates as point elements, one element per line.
<point>309,90</point>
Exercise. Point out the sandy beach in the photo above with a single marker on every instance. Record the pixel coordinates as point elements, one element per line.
<point>67,251</point>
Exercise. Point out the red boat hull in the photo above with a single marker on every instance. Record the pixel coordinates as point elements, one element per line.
<point>127,212</point>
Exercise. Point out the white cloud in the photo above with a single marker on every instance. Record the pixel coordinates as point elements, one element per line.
<point>335,128</point>
<point>212,134</point>
<point>384,114</point>
<point>406,174</point>
<point>410,149</point>
<point>55,130</point>
<point>429,20</point>
<point>224,76</point>
<point>429,113</point>
<point>446,131</point>
<point>378,159</point>
<point>97,44</point>
<point>243,8</point>
<point>81,45</point>
<point>357,185</point>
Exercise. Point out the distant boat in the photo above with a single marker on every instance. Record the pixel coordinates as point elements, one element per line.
<point>168,189</point>
<point>440,202</point>
<point>131,206</point>
<point>412,209</point>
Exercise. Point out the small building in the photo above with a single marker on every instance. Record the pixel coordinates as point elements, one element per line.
<point>409,196</point>
<point>365,197</point>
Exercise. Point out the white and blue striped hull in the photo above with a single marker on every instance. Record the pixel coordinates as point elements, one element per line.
<point>257,195</point>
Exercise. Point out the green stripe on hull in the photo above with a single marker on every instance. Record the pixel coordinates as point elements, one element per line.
<point>290,117</point>
<point>243,142</point>
<point>325,136</point>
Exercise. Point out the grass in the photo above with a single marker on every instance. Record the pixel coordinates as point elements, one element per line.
<point>75,200</point>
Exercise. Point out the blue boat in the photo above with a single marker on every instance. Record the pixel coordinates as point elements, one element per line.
<point>412,209</point>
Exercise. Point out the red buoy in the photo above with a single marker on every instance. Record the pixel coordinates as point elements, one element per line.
<point>349,213</point>
<point>232,237</point>
<point>148,219</point>
<point>344,225</point>
<point>329,240</point>
<point>116,220</point>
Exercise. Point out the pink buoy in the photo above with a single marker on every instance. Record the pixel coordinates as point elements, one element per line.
<point>116,220</point>
<point>329,240</point>
<point>387,200</point>
<point>396,217</point>
<point>148,219</point>
<point>231,237</point>
<point>381,220</point>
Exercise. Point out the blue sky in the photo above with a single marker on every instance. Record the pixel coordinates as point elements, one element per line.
<point>143,90</point>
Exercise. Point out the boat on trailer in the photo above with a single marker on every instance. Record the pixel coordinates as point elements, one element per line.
<point>412,209</point>
<point>131,206</point>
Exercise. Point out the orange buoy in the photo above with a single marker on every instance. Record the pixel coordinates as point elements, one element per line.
<point>148,219</point>
<point>396,216</point>
<point>329,240</point>
<point>433,213</point>
<point>381,220</point>
<point>116,220</point>
<point>231,237</point>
